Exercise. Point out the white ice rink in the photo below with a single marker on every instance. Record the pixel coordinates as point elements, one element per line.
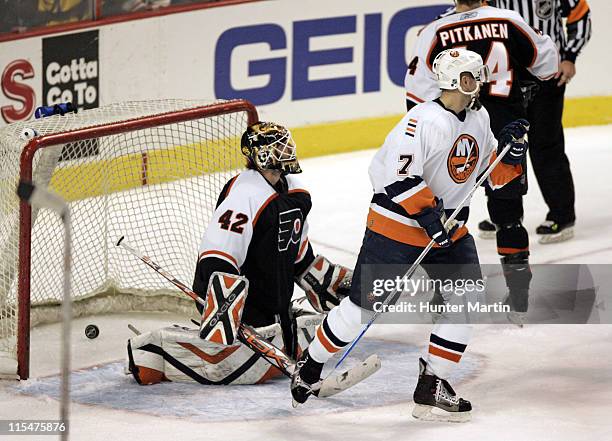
<point>542,382</point>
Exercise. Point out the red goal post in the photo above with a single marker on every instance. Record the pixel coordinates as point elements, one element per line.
<point>153,170</point>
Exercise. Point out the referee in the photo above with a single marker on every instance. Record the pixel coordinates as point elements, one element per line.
<point>545,112</point>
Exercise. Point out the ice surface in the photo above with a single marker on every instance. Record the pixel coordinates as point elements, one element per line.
<point>106,386</point>
<point>537,383</point>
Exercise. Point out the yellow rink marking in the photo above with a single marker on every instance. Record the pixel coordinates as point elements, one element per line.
<point>94,178</point>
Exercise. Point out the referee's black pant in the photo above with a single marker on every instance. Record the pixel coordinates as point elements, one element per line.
<point>547,152</point>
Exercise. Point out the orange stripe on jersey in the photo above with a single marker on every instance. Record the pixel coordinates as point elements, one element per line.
<point>264,205</point>
<point>503,173</point>
<point>220,253</point>
<point>581,9</point>
<point>329,347</point>
<point>302,249</point>
<point>400,232</point>
<point>297,190</point>
<point>433,350</point>
<point>270,199</point>
<point>414,98</point>
<point>417,202</point>
<point>231,184</point>
<point>505,251</point>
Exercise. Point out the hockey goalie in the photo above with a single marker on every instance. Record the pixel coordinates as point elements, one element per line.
<point>254,250</point>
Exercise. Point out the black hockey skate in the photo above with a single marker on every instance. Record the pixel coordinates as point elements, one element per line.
<point>487,229</point>
<point>306,379</point>
<point>553,232</point>
<point>435,400</point>
<point>518,277</point>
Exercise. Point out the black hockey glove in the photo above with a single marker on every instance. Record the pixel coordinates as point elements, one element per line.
<point>514,134</point>
<point>432,220</point>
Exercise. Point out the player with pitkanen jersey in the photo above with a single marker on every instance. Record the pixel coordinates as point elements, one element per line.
<point>254,250</point>
<point>516,55</point>
<point>427,165</point>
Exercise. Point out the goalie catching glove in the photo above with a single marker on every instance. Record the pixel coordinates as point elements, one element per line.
<point>325,283</point>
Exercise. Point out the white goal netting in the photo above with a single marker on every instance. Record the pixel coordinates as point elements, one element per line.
<point>157,185</point>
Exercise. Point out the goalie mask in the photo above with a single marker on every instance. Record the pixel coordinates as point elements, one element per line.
<point>450,64</point>
<point>269,146</point>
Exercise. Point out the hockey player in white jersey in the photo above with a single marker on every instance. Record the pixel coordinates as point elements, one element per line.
<point>253,251</point>
<point>517,57</point>
<point>427,165</point>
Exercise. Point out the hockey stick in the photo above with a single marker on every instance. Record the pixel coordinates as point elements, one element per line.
<point>273,355</point>
<point>394,295</point>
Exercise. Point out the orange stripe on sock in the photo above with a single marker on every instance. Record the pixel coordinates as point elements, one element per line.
<point>506,251</point>
<point>433,350</point>
<point>325,341</point>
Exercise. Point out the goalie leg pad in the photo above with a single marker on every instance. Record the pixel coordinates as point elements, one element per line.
<point>146,367</point>
<point>225,299</point>
<point>325,283</point>
<point>179,354</point>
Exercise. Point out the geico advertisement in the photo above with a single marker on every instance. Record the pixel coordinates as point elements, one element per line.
<point>307,62</point>
<point>321,61</point>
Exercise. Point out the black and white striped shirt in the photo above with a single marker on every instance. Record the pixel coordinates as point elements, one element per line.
<point>547,16</point>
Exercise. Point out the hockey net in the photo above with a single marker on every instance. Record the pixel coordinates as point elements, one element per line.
<point>151,171</point>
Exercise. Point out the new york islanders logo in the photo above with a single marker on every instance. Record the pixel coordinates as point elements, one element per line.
<point>463,158</point>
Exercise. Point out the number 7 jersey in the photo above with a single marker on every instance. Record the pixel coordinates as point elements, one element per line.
<point>431,153</point>
<point>507,44</point>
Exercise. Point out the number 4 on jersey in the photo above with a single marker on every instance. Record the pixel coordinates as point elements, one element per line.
<point>501,75</point>
<point>237,225</point>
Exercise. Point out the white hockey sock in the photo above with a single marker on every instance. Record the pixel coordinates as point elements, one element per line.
<point>339,328</point>
<point>446,346</point>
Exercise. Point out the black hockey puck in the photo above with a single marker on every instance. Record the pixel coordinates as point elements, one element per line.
<point>91,331</point>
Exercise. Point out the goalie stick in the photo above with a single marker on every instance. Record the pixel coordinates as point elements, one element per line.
<point>332,385</point>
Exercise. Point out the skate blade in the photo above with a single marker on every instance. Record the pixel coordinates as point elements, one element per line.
<point>564,235</point>
<point>432,413</point>
<point>487,235</point>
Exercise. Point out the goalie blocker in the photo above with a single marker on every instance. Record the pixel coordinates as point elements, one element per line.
<point>225,299</point>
